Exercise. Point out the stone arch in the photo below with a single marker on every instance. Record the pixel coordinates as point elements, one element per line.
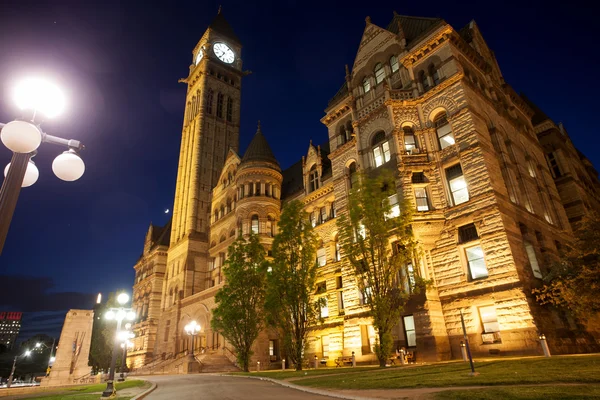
<point>437,105</point>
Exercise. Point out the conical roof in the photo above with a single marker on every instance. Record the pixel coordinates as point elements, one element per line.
<point>220,25</point>
<point>259,149</point>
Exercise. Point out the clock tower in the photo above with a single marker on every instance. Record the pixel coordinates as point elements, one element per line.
<point>210,128</point>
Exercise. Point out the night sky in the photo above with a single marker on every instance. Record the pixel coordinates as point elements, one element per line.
<point>119,65</point>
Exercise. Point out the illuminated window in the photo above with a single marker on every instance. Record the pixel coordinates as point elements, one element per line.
<point>379,73</point>
<point>338,255</point>
<point>254,224</point>
<point>394,64</point>
<point>489,319</point>
<point>535,266</point>
<point>409,331</point>
<point>366,84</point>
<point>444,131</point>
<point>394,207</point>
<point>476,262</point>
<point>313,179</point>
<point>323,214</point>
<point>458,185</point>
<point>365,296</point>
<point>321,257</point>
<point>324,307</point>
<point>410,142</point>
<point>553,164</point>
<point>421,198</point>
<point>381,149</point>
<point>531,168</point>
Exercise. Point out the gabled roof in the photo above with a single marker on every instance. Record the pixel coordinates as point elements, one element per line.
<point>259,149</point>
<point>412,27</point>
<point>161,235</point>
<point>220,25</point>
<point>293,177</point>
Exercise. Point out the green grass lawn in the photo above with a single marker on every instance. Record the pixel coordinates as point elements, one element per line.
<point>565,369</point>
<point>85,392</point>
<point>564,392</point>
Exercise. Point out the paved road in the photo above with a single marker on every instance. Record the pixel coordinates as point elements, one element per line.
<point>214,387</point>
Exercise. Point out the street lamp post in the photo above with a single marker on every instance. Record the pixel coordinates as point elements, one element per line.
<point>126,335</point>
<point>192,330</point>
<point>119,313</point>
<point>23,137</point>
<point>40,344</point>
<point>12,371</point>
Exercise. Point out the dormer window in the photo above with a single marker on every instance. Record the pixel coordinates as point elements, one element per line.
<point>366,84</point>
<point>379,73</point>
<point>394,64</point>
<point>381,149</point>
<point>313,179</point>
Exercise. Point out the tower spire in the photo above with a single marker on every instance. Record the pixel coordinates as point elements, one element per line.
<point>219,12</point>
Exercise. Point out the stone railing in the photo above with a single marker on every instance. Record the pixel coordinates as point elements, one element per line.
<point>401,94</point>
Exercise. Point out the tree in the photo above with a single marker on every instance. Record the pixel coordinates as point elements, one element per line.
<point>239,315</point>
<point>103,336</point>
<point>574,281</point>
<point>291,282</point>
<point>385,274</point>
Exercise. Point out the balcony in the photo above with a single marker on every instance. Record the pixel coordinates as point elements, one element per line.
<point>415,157</point>
<point>401,94</point>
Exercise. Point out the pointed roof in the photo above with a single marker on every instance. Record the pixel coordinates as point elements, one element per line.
<point>220,25</point>
<point>259,149</point>
<point>412,27</point>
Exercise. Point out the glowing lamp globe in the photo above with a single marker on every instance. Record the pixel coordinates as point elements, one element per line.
<point>41,96</point>
<point>31,174</point>
<point>123,298</point>
<point>68,166</point>
<point>21,136</point>
<point>131,315</point>
<point>109,315</point>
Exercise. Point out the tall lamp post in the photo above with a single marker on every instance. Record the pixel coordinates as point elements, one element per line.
<point>124,336</point>
<point>192,330</point>
<point>39,345</point>
<point>12,371</point>
<point>23,136</point>
<point>119,314</point>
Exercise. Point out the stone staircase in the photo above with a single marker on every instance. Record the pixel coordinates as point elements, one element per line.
<point>214,362</point>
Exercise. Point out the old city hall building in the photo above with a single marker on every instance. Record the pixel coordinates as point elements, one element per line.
<point>496,186</point>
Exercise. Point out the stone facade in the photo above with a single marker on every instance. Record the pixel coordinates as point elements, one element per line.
<point>429,103</point>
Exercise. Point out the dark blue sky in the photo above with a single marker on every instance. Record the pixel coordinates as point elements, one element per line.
<point>120,63</point>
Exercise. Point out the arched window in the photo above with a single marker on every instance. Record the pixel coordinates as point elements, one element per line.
<point>349,131</point>
<point>343,137</point>
<point>380,149</point>
<point>410,142</point>
<point>394,63</point>
<point>220,105</point>
<point>229,109</point>
<point>443,130</point>
<point>223,238</point>
<point>254,224</point>
<point>379,73</point>
<point>229,205</point>
<point>424,81</point>
<point>435,75</point>
<point>352,175</point>
<point>257,186</point>
<point>270,226</point>
<point>216,215</point>
<point>321,254</point>
<point>222,211</point>
<point>366,84</point>
<point>313,179</point>
<point>209,101</point>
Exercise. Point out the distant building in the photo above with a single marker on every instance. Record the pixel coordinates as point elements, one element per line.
<point>10,326</point>
<point>496,187</point>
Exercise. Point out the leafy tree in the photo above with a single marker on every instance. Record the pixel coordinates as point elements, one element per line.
<point>103,336</point>
<point>574,281</point>
<point>291,282</point>
<point>239,315</point>
<point>385,273</point>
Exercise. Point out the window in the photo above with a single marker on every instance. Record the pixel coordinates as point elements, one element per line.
<point>338,255</point>
<point>418,177</point>
<point>408,278</point>
<point>459,192</point>
<point>531,168</point>
<point>313,179</point>
<point>273,349</point>
<point>535,266</point>
<point>421,198</point>
<point>254,224</point>
<point>553,164</point>
<point>270,226</point>
<point>476,262</point>
<point>323,214</point>
<point>381,149</point>
<point>410,142</point>
<point>467,233</point>
<point>321,257</point>
<point>366,84</point>
<point>257,189</point>
<point>209,101</point>
<point>313,218</point>
<point>365,295</point>
<point>332,211</point>
<point>489,319</point>
<point>394,207</point>
<point>394,64</point>
<point>379,73</point>
<point>435,75</point>
<point>220,105</point>
<point>424,81</point>
<point>409,331</point>
<point>340,302</point>
<point>229,109</point>
<point>352,175</point>
<point>444,131</point>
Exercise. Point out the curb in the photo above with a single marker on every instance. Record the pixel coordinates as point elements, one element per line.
<point>304,389</point>
<point>146,392</point>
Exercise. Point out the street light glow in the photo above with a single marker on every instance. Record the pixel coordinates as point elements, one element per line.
<point>123,298</point>
<point>38,344</point>
<point>28,352</point>
<point>39,95</point>
<point>131,315</point>
<point>109,315</point>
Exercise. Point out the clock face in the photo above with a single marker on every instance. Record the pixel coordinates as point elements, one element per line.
<point>224,53</point>
<point>199,56</point>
